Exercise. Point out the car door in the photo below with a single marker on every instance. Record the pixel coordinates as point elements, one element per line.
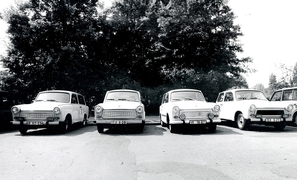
<point>82,106</point>
<point>75,108</point>
<point>226,101</point>
<point>163,107</point>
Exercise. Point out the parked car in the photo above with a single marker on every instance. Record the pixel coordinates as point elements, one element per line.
<point>188,107</point>
<point>287,96</point>
<point>120,108</point>
<point>247,106</point>
<point>54,108</point>
<point>5,104</point>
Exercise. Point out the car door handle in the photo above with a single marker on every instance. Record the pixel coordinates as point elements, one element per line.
<point>221,104</point>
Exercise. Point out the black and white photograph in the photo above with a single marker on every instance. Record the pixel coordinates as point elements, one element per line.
<point>148,90</point>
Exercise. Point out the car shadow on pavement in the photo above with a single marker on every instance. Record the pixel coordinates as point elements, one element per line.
<point>261,128</point>
<point>147,130</point>
<point>74,130</point>
<point>221,130</point>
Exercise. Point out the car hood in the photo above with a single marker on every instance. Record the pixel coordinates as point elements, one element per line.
<point>40,106</point>
<point>194,104</point>
<point>120,105</point>
<point>264,104</point>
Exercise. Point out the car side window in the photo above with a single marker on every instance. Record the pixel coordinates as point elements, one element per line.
<point>276,96</point>
<point>165,98</point>
<point>229,97</point>
<point>74,99</point>
<point>287,95</point>
<point>81,100</point>
<point>294,95</point>
<point>220,97</point>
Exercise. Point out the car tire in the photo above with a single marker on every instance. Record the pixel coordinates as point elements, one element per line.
<point>162,123</point>
<point>280,126</point>
<point>64,126</point>
<point>100,129</point>
<point>295,119</point>
<point>172,128</point>
<point>23,130</point>
<point>212,128</point>
<point>241,122</point>
<point>84,122</point>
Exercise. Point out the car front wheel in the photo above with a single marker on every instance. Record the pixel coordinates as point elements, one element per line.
<point>64,126</point>
<point>280,126</point>
<point>100,129</point>
<point>212,128</point>
<point>172,128</point>
<point>241,122</point>
<point>23,130</point>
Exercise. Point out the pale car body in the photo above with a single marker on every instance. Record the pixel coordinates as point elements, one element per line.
<point>286,97</point>
<point>248,106</point>
<point>188,107</point>
<point>122,108</point>
<point>54,108</point>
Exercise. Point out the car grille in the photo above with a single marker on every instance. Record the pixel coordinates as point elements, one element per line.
<point>42,115</point>
<point>125,114</point>
<point>195,114</point>
<point>270,112</point>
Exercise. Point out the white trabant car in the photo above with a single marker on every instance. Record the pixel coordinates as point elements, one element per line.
<point>247,106</point>
<point>54,108</point>
<point>181,107</point>
<point>285,97</point>
<point>121,107</point>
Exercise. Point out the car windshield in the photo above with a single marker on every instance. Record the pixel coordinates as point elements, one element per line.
<point>53,96</point>
<point>187,96</point>
<point>249,95</point>
<point>122,96</point>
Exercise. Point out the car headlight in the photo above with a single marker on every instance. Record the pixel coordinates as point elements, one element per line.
<point>139,109</point>
<point>175,111</point>
<point>98,109</point>
<point>15,110</point>
<point>211,116</point>
<point>216,108</point>
<point>98,112</point>
<point>290,108</point>
<point>252,109</point>
<point>57,111</point>
<point>182,116</point>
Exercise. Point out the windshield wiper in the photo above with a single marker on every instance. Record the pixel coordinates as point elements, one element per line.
<point>52,100</point>
<point>187,98</point>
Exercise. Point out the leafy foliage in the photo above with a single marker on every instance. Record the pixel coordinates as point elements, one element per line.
<point>143,44</point>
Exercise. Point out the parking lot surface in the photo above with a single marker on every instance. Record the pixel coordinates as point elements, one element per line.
<point>82,153</point>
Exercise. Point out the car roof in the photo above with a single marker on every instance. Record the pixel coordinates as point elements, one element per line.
<point>127,90</point>
<point>288,88</point>
<point>233,90</point>
<point>176,90</point>
<point>64,91</point>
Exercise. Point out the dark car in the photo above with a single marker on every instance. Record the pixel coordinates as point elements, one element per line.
<point>5,113</point>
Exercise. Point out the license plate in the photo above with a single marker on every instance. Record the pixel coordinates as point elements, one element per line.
<point>272,119</point>
<point>35,123</point>
<point>118,122</point>
<point>198,122</point>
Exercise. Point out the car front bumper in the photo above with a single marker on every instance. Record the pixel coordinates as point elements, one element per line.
<point>119,121</point>
<point>36,123</point>
<point>197,122</point>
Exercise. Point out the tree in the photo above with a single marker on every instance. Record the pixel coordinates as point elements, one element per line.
<point>176,35</point>
<point>294,74</point>
<point>54,46</point>
<point>139,44</point>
